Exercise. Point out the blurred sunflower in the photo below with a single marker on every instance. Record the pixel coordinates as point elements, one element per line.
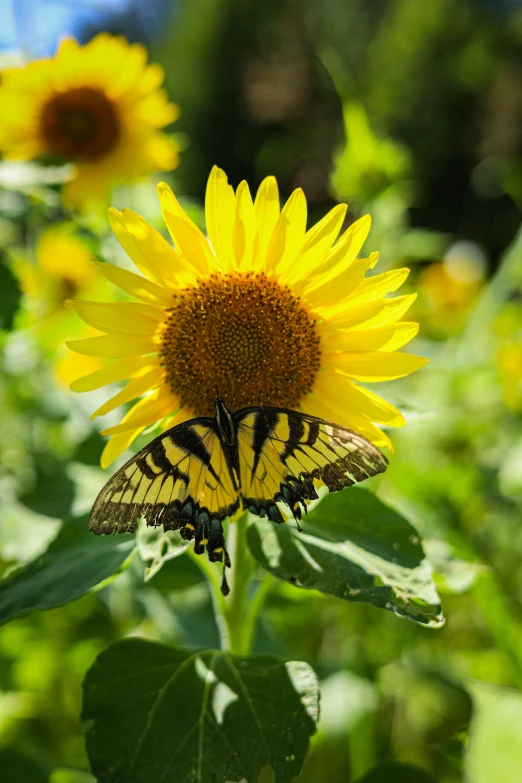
<point>96,106</point>
<point>63,268</point>
<point>283,313</point>
<point>449,289</point>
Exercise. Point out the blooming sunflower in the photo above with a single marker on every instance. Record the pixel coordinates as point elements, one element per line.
<point>283,314</point>
<point>98,107</point>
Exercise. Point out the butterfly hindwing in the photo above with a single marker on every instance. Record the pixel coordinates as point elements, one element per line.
<point>180,481</point>
<point>283,453</point>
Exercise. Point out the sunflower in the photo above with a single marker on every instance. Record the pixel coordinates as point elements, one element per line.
<point>63,267</point>
<point>281,315</point>
<point>98,107</point>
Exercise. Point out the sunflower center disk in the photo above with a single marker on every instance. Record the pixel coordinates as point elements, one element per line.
<point>244,333</point>
<point>81,124</point>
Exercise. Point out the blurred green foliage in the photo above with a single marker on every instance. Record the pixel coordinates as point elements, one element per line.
<point>410,111</point>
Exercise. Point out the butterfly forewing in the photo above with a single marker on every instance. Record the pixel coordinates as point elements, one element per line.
<point>180,478</point>
<point>283,454</point>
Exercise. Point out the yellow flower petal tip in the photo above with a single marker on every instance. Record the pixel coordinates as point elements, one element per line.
<point>287,310</point>
<point>123,105</point>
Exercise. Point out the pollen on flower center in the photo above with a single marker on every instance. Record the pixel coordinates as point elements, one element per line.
<point>244,333</point>
<point>80,124</point>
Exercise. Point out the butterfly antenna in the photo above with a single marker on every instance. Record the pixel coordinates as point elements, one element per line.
<point>184,386</point>
<point>230,384</point>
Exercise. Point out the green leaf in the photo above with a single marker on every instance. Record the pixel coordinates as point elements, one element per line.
<point>156,546</point>
<point>75,563</point>
<point>9,295</point>
<point>53,491</point>
<point>395,772</point>
<point>157,713</point>
<point>355,547</point>
<point>494,751</point>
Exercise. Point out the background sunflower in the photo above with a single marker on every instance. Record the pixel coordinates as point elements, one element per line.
<point>98,107</point>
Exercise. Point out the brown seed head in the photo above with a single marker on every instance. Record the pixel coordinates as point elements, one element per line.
<point>243,332</point>
<point>80,125</point>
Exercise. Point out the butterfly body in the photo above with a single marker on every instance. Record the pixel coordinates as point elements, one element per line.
<point>202,471</point>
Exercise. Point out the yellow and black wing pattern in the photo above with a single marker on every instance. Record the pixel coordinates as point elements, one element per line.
<point>180,481</point>
<point>284,454</point>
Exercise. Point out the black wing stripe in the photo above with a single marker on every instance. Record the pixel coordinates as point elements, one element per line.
<point>313,432</point>
<point>264,424</point>
<point>190,442</point>
<point>296,432</point>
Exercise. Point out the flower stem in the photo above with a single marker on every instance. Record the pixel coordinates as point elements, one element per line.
<point>218,599</point>
<point>254,610</point>
<point>241,572</point>
<point>236,617</point>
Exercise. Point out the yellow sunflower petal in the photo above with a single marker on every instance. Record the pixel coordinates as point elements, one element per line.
<point>267,210</point>
<point>379,285</point>
<point>350,398</point>
<point>147,411</point>
<point>135,285</point>
<point>117,445</point>
<point>187,237</point>
<point>120,317</point>
<point>384,338</point>
<point>135,388</point>
<point>379,313</point>
<point>220,208</point>
<point>145,263</point>
<point>156,251</point>
<point>370,289</point>
<point>376,366</point>
<point>245,229</point>
<point>119,370</point>
<point>346,250</point>
<point>317,242</point>
<point>114,346</point>
<point>288,234</point>
<point>331,288</point>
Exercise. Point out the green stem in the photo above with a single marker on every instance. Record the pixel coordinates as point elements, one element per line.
<point>254,610</point>
<point>218,599</point>
<point>241,572</point>
<point>236,617</point>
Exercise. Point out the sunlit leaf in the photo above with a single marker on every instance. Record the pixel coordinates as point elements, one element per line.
<point>75,563</point>
<point>355,547</point>
<point>157,713</point>
<point>156,546</point>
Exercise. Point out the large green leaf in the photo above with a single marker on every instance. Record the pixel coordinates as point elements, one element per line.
<point>494,751</point>
<point>74,563</point>
<point>355,547</point>
<point>157,713</point>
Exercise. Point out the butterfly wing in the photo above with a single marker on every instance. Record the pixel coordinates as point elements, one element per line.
<point>180,480</point>
<point>282,453</point>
